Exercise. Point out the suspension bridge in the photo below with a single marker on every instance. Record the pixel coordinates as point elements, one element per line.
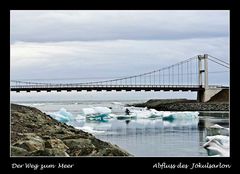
<point>188,75</point>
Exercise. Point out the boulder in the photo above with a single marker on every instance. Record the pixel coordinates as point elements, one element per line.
<point>34,133</point>
<point>50,152</point>
<point>55,143</point>
<point>18,151</point>
<point>79,147</point>
<point>31,143</point>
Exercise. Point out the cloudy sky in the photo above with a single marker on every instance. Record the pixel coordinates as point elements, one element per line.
<point>82,45</point>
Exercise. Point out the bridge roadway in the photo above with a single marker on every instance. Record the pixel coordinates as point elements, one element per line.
<point>69,88</point>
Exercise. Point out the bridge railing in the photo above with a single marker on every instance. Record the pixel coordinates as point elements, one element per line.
<point>110,86</point>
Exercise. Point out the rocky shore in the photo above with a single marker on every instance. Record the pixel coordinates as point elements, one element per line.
<point>34,133</point>
<point>184,105</point>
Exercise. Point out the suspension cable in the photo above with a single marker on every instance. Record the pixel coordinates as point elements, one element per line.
<point>218,63</point>
<point>219,59</point>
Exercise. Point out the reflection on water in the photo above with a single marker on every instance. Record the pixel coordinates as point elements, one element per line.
<point>154,137</point>
<point>160,138</point>
<point>149,136</point>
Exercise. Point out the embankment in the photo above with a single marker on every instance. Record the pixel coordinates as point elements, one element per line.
<point>184,105</point>
<point>34,133</point>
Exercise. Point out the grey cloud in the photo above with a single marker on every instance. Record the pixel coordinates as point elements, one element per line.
<point>106,59</point>
<point>52,26</point>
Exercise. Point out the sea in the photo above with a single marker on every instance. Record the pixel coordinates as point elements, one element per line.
<point>141,137</point>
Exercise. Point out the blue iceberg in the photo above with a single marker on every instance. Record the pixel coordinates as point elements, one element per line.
<point>62,115</point>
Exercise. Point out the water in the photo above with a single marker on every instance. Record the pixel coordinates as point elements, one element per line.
<point>142,137</point>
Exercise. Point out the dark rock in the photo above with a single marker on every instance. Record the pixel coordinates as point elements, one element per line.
<point>55,143</point>
<point>79,146</point>
<point>30,142</point>
<point>37,134</point>
<point>49,152</point>
<point>18,151</point>
<point>183,105</point>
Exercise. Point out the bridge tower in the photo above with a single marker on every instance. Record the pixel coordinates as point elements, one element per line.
<point>203,70</point>
<point>205,94</point>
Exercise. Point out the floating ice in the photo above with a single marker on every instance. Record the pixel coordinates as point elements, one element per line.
<point>62,115</point>
<point>97,113</point>
<point>215,147</point>
<point>102,110</point>
<point>217,130</point>
<point>112,115</point>
<point>222,139</point>
<point>96,110</point>
<point>145,124</point>
<point>90,130</point>
<point>166,115</point>
<point>79,117</point>
<point>218,143</point>
<point>144,112</point>
<point>179,115</point>
<point>88,111</point>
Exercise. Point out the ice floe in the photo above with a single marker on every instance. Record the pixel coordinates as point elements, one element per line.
<point>215,148</point>
<point>97,113</point>
<point>62,115</point>
<point>218,143</point>
<point>90,130</point>
<point>217,130</point>
<point>166,115</point>
<point>222,139</point>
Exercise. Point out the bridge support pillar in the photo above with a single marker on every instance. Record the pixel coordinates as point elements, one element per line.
<point>206,94</point>
<point>203,69</point>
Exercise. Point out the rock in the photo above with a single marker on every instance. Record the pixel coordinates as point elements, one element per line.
<point>36,134</point>
<point>113,151</point>
<point>31,143</point>
<point>49,152</point>
<point>79,146</point>
<point>55,143</point>
<point>107,149</point>
<point>18,151</point>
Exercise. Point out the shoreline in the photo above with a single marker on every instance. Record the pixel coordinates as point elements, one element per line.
<point>183,105</point>
<point>34,133</point>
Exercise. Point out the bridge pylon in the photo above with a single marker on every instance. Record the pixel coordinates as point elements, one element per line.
<point>203,69</point>
<point>205,94</point>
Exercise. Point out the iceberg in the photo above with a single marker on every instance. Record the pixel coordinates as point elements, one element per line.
<point>97,113</point>
<point>90,130</point>
<point>180,115</point>
<point>96,110</point>
<point>218,142</point>
<point>144,113</point>
<point>62,115</point>
<point>102,110</point>
<point>88,111</point>
<point>217,130</point>
<point>215,147</point>
<point>222,139</point>
<point>79,117</point>
<point>166,115</point>
<point>146,124</point>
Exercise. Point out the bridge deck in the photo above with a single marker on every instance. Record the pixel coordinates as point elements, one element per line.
<point>59,88</point>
